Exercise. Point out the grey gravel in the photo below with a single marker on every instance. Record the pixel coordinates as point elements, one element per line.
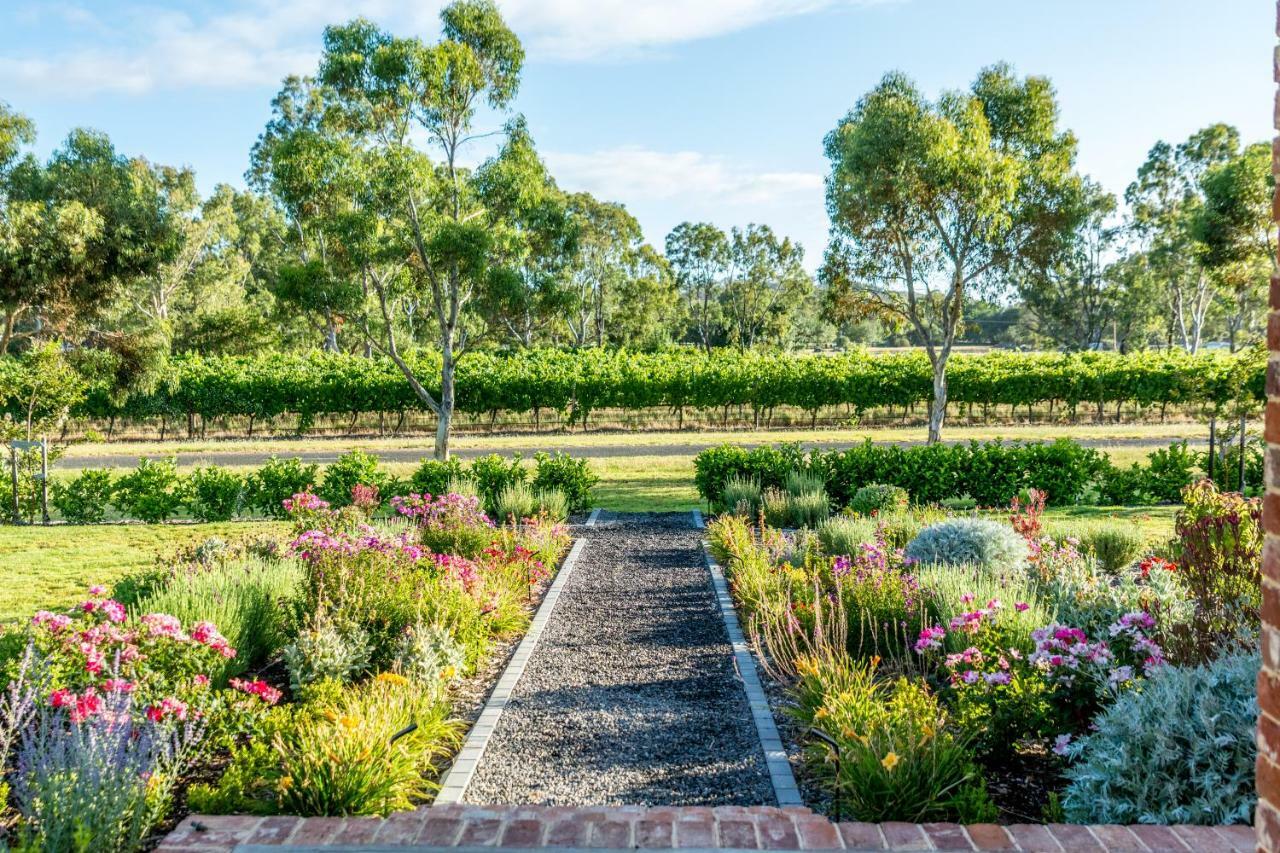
<point>630,697</point>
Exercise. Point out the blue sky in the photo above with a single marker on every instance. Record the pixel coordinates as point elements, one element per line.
<point>680,109</point>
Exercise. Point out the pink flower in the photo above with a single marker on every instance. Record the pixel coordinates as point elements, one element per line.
<point>261,689</point>
<point>97,590</point>
<point>89,606</point>
<point>202,680</point>
<point>87,704</point>
<point>1061,744</point>
<point>115,610</point>
<point>62,698</point>
<point>118,685</point>
<point>1021,606</point>
<point>170,706</point>
<point>967,598</point>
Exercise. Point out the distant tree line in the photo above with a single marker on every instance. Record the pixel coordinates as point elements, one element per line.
<point>958,220</point>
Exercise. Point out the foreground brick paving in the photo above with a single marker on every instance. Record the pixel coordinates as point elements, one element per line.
<point>629,827</point>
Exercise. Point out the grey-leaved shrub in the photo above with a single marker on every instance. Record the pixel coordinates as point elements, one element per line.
<point>1181,750</point>
<point>968,541</point>
<point>325,652</point>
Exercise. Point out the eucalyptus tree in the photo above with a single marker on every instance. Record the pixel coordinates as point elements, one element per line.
<point>1071,297</point>
<point>1166,201</point>
<point>766,285</point>
<point>609,239</point>
<point>698,253</point>
<point>76,229</point>
<point>929,201</point>
<point>1236,226</point>
<point>387,121</point>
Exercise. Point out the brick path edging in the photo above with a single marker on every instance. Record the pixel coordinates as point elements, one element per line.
<point>630,827</point>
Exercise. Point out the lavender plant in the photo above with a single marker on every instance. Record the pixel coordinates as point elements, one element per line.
<point>99,784</point>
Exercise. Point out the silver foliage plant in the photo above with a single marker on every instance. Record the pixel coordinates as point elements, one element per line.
<point>1181,750</point>
<point>968,541</point>
<point>324,652</point>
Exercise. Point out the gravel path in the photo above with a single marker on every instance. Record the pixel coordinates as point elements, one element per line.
<point>630,697</point>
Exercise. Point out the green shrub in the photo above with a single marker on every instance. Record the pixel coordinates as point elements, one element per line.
<point>277,480</point>
<point>1114,544</point>
<point>878,499</point>
<point>84,498</point>
<point>1181,750</point>
<point>963,503</point>
<point>152,492</point>
<point>432,476</point>
<point>514,501</point>
<point>900,759</point>
<point>741,496</point>
<point>327,651</point>
<point>249,599</point>
<point>351,469</point>
<point>573,477</point>
<point>842,534</point>
<point>215,494</point>
<point>554,503</point>
<point>968,541</point>
<point>492,474</point>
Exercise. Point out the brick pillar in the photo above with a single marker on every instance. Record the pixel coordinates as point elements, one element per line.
<point>1268,816</point>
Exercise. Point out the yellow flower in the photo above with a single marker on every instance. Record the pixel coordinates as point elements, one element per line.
<point>448,672</point>
<point>286,782</point>
<point>848,734</point>
<point>391,678</point>
<point>348,722</point>
<point>875,661</point>
<point>890,761</point>
<point>821,714</point>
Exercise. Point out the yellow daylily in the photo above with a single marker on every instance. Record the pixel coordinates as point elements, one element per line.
<point>890,761</point>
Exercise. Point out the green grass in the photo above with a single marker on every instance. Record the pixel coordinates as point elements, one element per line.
<point>51,567</point>
<point>551,441</point>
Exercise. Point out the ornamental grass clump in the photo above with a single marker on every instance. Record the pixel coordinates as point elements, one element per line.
<point>741,496</point>
<point>513,502</point>
<point>1181,750</point>
<point>249,599</point>
<point>1115,545</point>
<point>889,751</point>
<point>844,534</point>
<point>968,541</point>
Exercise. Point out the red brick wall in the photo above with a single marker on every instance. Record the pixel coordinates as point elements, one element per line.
<point>1268,816</point>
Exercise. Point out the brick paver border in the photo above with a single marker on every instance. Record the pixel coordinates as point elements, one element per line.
<point>464,827</point>
<point>453,786</point>
<point>775,754</point>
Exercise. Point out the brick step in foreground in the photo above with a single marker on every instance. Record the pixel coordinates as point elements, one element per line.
<point>691,827</point>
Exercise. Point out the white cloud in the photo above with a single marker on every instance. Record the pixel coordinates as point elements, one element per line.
<point>257,42</point>
<point>633,174</point>
<point>662,189</point>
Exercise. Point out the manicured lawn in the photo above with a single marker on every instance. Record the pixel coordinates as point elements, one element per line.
<point>50,567</point>
<point>1195,432</point>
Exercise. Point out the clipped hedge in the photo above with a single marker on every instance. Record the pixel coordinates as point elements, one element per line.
<point>575,383</point>
<point>992,472</point>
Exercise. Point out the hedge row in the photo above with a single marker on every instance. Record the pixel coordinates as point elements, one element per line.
<point>990,472</point>
<point>574,383</point>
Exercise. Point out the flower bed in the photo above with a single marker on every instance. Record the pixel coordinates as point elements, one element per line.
<point>981,681</point>
<point>313,677</point>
